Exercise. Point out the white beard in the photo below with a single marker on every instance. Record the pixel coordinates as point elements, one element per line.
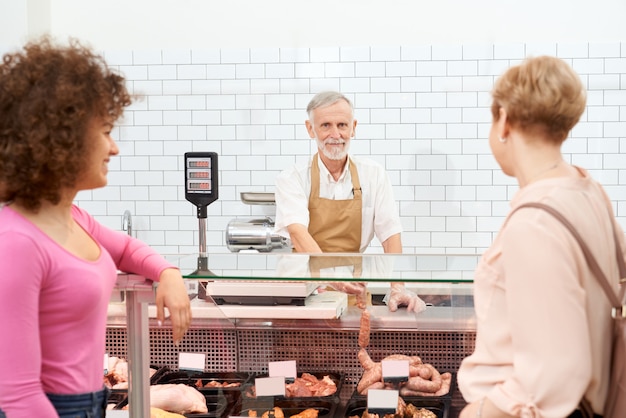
<point>333,153</point>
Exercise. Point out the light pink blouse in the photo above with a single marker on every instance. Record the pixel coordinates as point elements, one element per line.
<point>543,323</point>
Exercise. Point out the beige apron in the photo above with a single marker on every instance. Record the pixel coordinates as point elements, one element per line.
<point>319,262</point>
<point>335,224</point>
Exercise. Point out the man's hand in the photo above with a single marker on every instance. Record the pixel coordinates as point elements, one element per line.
<point>358,289</point>
<point>351,288</point>
<point>400,296</point>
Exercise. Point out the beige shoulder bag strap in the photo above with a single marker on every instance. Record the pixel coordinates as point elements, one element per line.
<point>591,260</point>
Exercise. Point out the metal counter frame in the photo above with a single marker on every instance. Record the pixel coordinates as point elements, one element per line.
<point>138,293</point>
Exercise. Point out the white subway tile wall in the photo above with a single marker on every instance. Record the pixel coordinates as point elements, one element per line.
<point>423,113</point>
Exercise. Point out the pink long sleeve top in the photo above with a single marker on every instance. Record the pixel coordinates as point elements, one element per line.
<point>53,310</point>
<point>543,322</point>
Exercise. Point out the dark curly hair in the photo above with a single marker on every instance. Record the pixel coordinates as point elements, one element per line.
<point>48,95</point>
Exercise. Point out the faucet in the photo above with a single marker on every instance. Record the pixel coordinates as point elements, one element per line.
<point>127,223</point>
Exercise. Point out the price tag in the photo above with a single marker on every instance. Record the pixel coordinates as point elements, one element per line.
<point>270,386</point>
<point>118,413</point>
<point>287,369</point>
<point>191,361</point>
<point>382,401</point>
<point>395,371</point>
<point>106,363</point>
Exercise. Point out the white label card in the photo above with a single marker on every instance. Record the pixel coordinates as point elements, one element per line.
<point>395,369</point>
<point>106,363</point>
<point>270,386</point>
<point>191,361</point>
<point>382,400</point>
<point>118,413</point>
<point>287,369</point>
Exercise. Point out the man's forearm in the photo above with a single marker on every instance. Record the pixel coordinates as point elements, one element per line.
<point>393,244</point>
<point>301,240</point>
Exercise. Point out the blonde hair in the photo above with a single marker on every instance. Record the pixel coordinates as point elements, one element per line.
<point>543,95</point>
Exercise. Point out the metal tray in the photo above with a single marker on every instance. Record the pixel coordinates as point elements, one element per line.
<point>218,406</point>
<point>191,378</point>
<point>440,407</point>
<point>335,376</point>
<point>118,395</point>
<point>357,395</point>
<point>326,409</point>
<point>258,198</point>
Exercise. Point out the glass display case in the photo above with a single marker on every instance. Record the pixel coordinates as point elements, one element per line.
<point>251,309</point>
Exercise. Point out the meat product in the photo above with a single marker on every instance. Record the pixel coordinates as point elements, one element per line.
<point>364,329</point>
<point>413,360</point>
<point>424,379</point>
<point>412,411</point>
<point>324,387</point>
<point>361,299</point>
<point>160,413</point>
<point>306,385</point>
<point>370,376</point>
<point>178,398</point>
<point>216,384</point>
<point>117,373</point>
<point>279,413</point>
<point>275,413</point>
<point>307,413</point>
<point>446,380</point>
<point>403,411</point>
<point>309,385</point>
<point>416,383</point>
<point>432,385</point>
<point>375,385</point>
<point>298,390</point>
<point>365,359</point>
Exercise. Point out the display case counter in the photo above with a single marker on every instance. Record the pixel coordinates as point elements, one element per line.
<point>239,337</point>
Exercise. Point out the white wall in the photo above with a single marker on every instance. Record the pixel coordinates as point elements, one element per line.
<point>234,77</point>
<point>159,24</point>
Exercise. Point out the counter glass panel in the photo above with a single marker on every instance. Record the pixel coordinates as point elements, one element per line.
<point>345,267</point>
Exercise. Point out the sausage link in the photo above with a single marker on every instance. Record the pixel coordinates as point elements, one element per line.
<point>446,380</point>
<point>421,370</point>
<point>370,376</point>
<point>365,359</point>
<point>364,329</point>
<point>424,385</point>
<point>375,385</point>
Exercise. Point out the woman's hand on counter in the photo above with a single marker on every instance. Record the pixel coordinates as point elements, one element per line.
<point>172,293</point>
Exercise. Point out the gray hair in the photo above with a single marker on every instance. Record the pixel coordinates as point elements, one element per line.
<point>326,98</point>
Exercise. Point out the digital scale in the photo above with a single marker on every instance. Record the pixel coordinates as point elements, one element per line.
<point>265,293</point>
<point>201,189</point>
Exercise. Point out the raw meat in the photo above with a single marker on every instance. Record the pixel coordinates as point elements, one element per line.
<point>178,398</point>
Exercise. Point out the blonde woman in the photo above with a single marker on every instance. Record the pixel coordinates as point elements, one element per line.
<point>543,321</point>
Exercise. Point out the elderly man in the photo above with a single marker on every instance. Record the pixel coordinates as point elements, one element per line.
<point>337,203</point>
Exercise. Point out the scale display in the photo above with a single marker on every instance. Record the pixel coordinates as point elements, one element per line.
<point>201,187</point>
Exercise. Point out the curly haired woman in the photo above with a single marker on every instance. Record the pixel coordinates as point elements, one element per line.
<point>59,265</point>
